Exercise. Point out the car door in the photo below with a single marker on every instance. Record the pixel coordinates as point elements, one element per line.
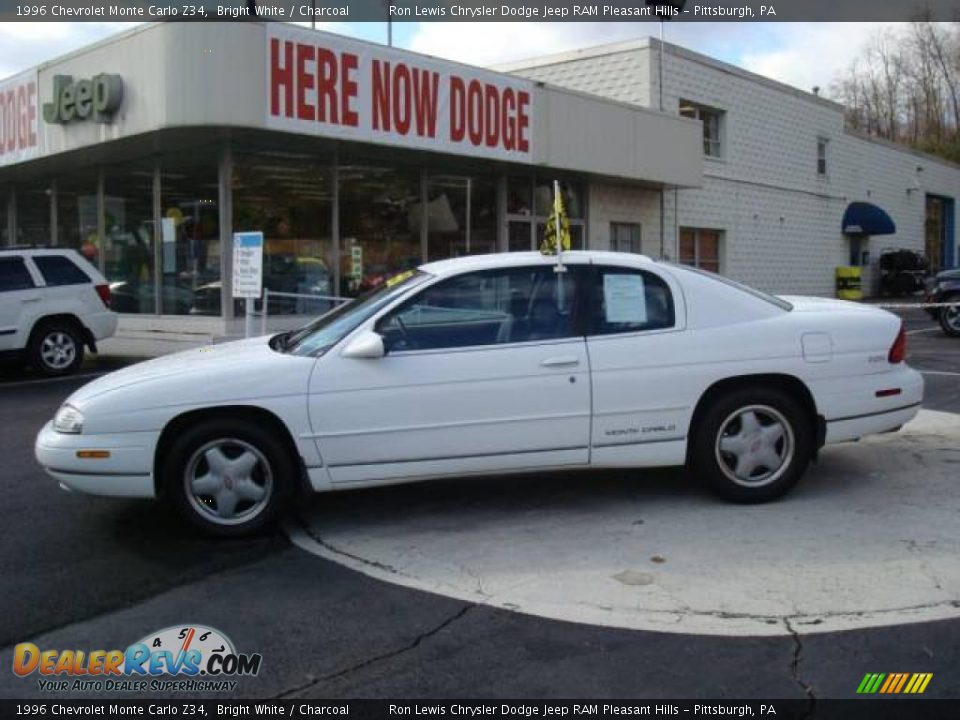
<point>638,364</point>
<point>484,371</point>
<point>19,302</point>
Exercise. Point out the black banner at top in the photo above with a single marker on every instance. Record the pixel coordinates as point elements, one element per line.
<point>478,10</point>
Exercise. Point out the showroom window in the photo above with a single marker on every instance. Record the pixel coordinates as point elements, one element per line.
<point>627,300</point>
<point>379,225</point>
<point>529,206</point>
<point>712,120</point>
<point>625,237</point>
<point>290,200</point>
<point>33,214</point>
<point>492,307</point>
<point>77,214</point>
<point>189,237</point>
<point>4,218</point>
<point>128,249</point>
<point>822,144</point>
<point>461,216</point>
<point>700,248</point>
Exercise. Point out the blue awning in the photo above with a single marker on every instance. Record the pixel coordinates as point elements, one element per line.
<point>862,218</point>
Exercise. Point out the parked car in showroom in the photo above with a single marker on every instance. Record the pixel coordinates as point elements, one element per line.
<point>492,364</point>
<point>945,288</point>
<point>53,304</point>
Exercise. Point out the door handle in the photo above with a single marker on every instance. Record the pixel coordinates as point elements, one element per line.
<point>30,300</point>
<point>560,361</point>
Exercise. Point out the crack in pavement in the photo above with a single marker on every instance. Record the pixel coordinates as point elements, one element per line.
<point>795,669</point>
<point>378,658</point>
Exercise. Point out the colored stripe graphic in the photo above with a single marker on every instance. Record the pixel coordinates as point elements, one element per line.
<point>894,683</point>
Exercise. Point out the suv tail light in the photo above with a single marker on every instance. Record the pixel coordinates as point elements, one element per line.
<point>898,351</point>
<point>104,292</point>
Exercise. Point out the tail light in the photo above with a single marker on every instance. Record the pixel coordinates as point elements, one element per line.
<point>104,292</point>
<point>898,351</point>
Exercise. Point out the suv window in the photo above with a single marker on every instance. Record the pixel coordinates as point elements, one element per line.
<point>627,300</point>
<point>14,275</point>
<point>59,270</point>
<point>490,307</point>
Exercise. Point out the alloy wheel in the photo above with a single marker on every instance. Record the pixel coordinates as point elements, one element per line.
<point>755,445</point>
<point>228,481</point>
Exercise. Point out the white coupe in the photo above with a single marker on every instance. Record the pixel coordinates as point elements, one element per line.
<point>494,364</point>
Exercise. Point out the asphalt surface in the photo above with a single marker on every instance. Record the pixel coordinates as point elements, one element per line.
<point>81,572</point>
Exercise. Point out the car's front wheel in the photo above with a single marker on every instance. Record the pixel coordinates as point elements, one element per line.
<point>229,477</point>
<point>752,445</point>
<point>55,348</point>
<point>950,316</point>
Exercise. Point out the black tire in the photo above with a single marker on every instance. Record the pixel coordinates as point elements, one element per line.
<point>55,348</point>
<point>725,417</point>
<point>950,317</point>
<point>274,472</point>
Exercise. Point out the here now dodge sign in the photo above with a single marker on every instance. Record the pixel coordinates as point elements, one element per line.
<point>325,85</point>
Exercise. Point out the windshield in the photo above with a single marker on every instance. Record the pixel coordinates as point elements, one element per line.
<point>327,330</point>
<point>772,299</point>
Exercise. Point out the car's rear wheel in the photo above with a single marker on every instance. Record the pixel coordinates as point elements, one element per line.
<point>950,316</point>
<point>56,348</point>
<point>752,445</point>
<point>229,477</point>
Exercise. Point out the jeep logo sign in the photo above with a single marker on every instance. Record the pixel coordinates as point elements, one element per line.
<point>97,99</point>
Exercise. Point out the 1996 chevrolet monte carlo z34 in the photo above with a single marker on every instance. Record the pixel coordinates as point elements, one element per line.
<point>492,364</point>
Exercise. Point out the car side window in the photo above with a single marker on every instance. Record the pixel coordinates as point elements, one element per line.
<point>491,307</point>
<point>59,270</point>
<point>629,300</point>
<point>14,275</point>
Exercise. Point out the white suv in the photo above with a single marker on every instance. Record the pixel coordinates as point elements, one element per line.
<point>53,302</point>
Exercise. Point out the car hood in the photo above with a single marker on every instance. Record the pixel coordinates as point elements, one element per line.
<point>213,373</point>
<point>949,274</point>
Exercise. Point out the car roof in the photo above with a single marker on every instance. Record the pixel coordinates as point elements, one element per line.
<point>469,263</point>
<point>36,250</point>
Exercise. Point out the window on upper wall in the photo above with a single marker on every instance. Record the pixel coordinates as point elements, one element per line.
<point>700,248</point>
<point>625,237</point>
<point>712,120</point>
<point>822,156</point>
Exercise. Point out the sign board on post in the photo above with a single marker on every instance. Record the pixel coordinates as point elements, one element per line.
<point>247,264</point>
<point>248,272</point>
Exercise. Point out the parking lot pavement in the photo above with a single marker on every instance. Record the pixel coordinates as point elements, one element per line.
<point>83,573</point>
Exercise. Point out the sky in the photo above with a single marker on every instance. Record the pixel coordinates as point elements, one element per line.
<point>800,54</point>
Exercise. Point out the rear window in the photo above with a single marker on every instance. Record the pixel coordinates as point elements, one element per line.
<point>14,275</point>
<point>59,270</point>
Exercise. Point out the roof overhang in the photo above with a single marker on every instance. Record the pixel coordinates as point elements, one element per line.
<point>236,76</point>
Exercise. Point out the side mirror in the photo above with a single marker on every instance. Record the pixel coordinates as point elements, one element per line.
<point>367,344</point>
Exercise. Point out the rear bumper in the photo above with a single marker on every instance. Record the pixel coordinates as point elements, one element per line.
<point>859,412</point>
<point>101,325</point>
<point>127,472</point>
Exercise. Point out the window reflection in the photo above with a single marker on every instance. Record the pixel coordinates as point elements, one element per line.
<point>128,249</point>
<point>290,201</point>
<point>77,216</point>
<point>33,214</point>
<point>379,225</point>
<point>461,216</point>
<point>189,237</point>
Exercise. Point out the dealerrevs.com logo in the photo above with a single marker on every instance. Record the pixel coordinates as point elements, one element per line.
<point>188,658</point>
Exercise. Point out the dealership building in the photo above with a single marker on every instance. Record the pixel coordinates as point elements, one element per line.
<point>146,152</point>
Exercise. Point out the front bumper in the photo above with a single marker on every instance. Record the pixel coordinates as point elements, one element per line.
<point>127,472</point>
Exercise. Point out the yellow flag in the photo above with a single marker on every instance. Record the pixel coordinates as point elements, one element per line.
<point>548,246</point>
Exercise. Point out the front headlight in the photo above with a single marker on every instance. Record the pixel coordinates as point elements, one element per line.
<point>68,420</point>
